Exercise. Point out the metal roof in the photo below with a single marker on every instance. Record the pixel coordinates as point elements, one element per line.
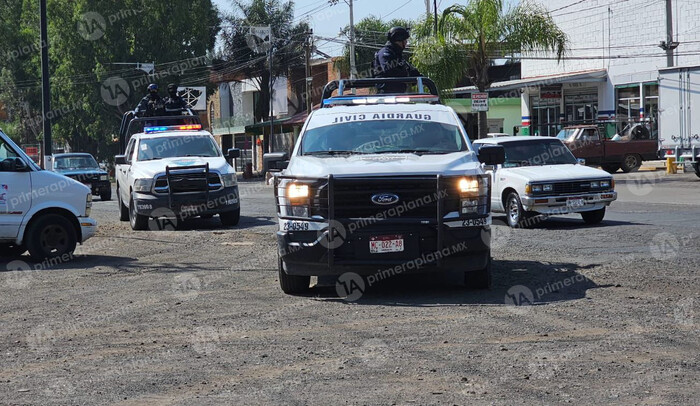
<point>597,75</point>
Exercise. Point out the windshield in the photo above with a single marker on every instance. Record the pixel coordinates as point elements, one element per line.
<point>177,147</point>
<point>537,153</point>
<point>386,136</point>
<point>65,163</point>
<point>566,134</point>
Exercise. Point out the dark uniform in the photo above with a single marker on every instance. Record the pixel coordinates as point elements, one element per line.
<point>174,104</point>
<point>151,105</point>
<point>390,63</point>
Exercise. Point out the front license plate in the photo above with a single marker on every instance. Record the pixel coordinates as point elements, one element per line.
<point>385,244</point>
<point>477,222</point>
<point>574,203</point>
<point>296,226</point>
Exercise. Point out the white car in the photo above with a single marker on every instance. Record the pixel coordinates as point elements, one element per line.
<point>176,172</point>
<point>540,175</point>
<point>41,211</point>
<point>382,183</point>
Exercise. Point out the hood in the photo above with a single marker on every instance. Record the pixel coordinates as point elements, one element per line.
<point>455,164</point>
<point>149,169</point>
<point>556,173</point>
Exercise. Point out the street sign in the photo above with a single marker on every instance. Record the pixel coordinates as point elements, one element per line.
<point>480,102</point>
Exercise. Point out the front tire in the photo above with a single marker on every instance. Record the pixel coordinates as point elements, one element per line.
<point>230,218</point>
<point>593,217</point>
<point>516,215</point>
<point>292,284</point>
<point>137,221</point>
<point>481,279</point>
<point>631,163</point>
<point>51,236</point>
<point>123,210</point>
<point>610,168</point>
<point>107,195</point>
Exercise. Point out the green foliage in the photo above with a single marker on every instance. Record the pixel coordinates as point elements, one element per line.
<point>83,55</point>
<point>288,39</point>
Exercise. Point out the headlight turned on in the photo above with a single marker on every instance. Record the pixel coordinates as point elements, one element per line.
<point>103,177</point>
<point>143,185</point>
<point>298,197</point>
<point>297,192</point>
<point>472,190</point>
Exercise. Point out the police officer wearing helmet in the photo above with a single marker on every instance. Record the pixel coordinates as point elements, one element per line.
<point>174,104</point>
<point>152,104</point>
<point>390,63</point>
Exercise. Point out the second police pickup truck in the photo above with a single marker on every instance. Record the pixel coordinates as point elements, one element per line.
<point>174,171</point>
<point>380,182</point>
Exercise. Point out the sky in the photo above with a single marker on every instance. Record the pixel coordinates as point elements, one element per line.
<point>327,21</point>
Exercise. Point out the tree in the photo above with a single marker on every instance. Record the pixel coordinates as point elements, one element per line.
<point>287,41</point>
<point>470,38</point>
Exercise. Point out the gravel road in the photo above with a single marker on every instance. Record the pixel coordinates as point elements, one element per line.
<point>578,314</point>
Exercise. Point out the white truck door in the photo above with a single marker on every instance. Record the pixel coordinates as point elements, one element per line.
<point>122,173</point>
<point>693,110</point>
<point>672,108</point>
<point>15,194</point>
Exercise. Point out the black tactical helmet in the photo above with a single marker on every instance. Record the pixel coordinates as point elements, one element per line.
<point>172,87</point>
<point>397,34</point>
<point>153,87</point>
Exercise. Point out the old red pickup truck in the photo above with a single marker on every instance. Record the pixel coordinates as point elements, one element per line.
<point>626,152</point>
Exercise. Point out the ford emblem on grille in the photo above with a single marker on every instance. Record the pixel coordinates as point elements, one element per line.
<point>385,199</point>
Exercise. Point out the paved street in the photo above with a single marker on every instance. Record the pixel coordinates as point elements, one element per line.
<point>597,314</point>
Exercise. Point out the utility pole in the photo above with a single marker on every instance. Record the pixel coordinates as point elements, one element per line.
<point>353,67</point>
<point>272,105</point>
<point>669,34</point>
<point>435,16</point>
<point>309,77</point>
<point>45,86</point>
<point>427,7</point>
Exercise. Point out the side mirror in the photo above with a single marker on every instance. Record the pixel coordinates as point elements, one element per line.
<point>282,165</point>
<point>581,161</point>
<point>120,160</point>
<point>492,155</point>
<point>234,153</point>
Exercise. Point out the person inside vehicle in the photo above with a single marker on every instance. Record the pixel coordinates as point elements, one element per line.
<point>390,63</point>
<point>151,105</point>
<point>174,104</point>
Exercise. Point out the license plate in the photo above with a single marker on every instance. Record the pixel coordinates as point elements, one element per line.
<point>477,222</point>
<point>385,244</point>
<point>296,226</point>
<point>576,202</point>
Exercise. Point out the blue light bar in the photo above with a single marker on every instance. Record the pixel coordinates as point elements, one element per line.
<point>149,130</point>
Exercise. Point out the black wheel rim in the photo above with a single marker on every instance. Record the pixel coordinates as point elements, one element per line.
<point>54,239</point>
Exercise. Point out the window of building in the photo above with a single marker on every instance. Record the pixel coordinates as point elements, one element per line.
<point>545,116</point>
<point>628,103</point>
<point>581,108</point>
<point>651,107</point>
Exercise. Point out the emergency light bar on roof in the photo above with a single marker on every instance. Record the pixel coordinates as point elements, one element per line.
<point>186,127</point>
<point>427,91</point>
<point>368,100</point>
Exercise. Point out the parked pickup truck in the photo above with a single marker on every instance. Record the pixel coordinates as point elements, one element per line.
<point>587,143</point>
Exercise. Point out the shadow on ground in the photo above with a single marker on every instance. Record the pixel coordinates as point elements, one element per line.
<point>514,283</point>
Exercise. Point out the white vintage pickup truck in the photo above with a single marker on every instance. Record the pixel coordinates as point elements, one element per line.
<point>541,176</point>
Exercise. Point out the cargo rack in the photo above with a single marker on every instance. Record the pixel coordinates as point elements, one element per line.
<point>427,92</point>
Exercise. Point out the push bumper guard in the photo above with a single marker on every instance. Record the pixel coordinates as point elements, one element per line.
<point>331,245</point>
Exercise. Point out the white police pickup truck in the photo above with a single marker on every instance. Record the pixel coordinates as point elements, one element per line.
<point>383,183</point>
<point>176,171</point>
<point>40,211</point>
<point>540,175</point>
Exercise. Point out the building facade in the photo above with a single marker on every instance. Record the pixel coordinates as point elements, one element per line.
<point>610,75</point>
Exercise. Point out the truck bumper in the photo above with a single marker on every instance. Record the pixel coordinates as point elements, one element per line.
<point>188,205</point>
<point>100,187</point>
<point>563,204</point>
<point>88,228</point>
<point>309,253</point>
